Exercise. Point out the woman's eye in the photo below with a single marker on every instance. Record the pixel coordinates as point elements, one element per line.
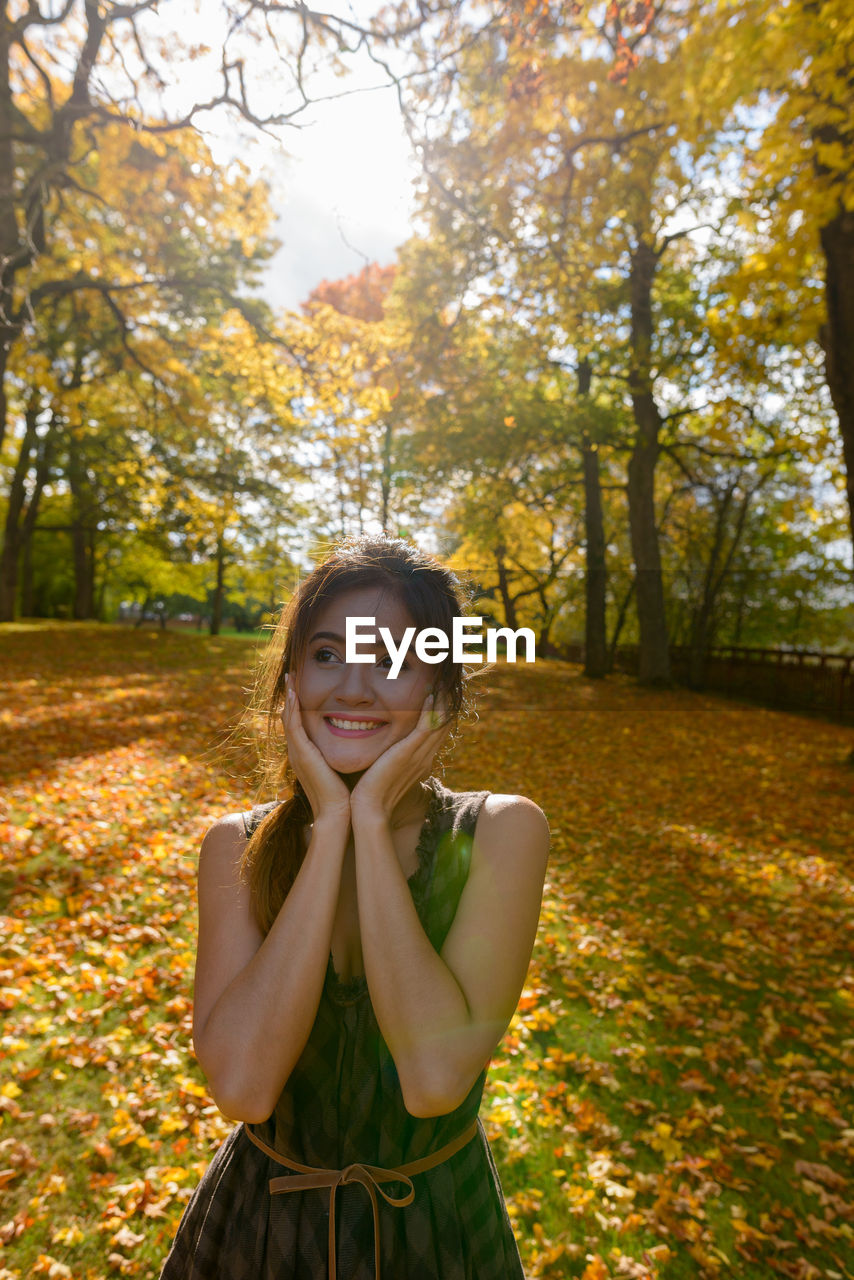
<point>324,655</point>
<point>386,662</point>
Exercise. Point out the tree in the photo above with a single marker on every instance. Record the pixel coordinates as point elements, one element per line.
<point>784,76</point>
<point>578,187</point>
<point>171,238</point>
<point>67,75</point>
<point>343,346</point>
<point>88,88</point>
<point>230,473</point>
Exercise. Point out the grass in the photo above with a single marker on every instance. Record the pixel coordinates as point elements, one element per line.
<point>673,1098</point>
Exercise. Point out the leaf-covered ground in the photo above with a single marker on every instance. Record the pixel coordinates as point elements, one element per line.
<point>673,1098</point>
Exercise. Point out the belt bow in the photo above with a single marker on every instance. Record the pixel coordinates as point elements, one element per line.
<point>306,1178</point>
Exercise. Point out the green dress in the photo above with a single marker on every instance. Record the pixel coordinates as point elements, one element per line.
<point>343,1105</point>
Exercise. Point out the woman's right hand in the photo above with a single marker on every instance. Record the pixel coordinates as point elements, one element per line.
<point>326,791</point>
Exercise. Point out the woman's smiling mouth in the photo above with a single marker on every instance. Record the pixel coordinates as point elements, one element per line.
<point>347,727</point>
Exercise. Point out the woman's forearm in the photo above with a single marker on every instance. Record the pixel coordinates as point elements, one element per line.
<point>421,1010</point>
<point>255,1032</point>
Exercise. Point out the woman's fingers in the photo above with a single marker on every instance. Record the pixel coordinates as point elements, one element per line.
<point>325,790</point>
<point>295,727</point>
<point>407,761</point>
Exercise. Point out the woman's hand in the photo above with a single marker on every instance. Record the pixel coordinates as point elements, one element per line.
<point>386,782</point>
<point>326,791</point>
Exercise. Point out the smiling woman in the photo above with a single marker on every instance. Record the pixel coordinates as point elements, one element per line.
<point>352,711</point>
<point>362,947</point>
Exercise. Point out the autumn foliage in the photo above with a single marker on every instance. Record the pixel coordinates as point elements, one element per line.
<point>670,1100</point>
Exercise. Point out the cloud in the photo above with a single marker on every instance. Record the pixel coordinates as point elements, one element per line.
<point>343,194</point>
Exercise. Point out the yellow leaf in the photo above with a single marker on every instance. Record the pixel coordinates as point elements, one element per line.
<point>70,1235</point>
<point>745,1229</point>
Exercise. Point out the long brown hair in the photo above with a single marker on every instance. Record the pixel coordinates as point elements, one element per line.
<point>433,596</point>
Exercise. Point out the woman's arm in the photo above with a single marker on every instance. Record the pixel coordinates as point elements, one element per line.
<point>256,998</point>
<point>442,1015</point>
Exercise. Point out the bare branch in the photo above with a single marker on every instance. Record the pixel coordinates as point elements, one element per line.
<point>33,17</point>
<point>334,24</point>
<point>40,71</point>
<point>686,231</point>
<point>81,281</point>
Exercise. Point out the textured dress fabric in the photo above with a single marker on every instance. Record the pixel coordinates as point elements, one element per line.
<point>343,1105</point>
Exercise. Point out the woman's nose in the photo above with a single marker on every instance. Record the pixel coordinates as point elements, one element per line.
<point>355,682</point>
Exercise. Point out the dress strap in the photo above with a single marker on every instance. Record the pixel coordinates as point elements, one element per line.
<point>253,819</point>
<point>370,1176</point>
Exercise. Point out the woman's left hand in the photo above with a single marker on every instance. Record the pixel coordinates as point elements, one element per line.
<point>406,762</point>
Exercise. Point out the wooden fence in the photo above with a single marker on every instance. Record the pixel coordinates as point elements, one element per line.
<point>797,679</point>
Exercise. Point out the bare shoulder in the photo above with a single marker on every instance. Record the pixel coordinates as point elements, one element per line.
<point>515,818</point>
<point>224,837</point>
<point>512,833</point>
<point>219,858</point>
<point>222,848</point>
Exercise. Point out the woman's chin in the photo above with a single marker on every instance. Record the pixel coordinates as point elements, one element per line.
<point>351,767</point>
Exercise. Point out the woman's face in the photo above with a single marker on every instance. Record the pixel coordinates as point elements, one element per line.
<point>354,711</point>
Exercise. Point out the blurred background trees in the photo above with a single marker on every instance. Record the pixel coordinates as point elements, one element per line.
<point>611,374</point>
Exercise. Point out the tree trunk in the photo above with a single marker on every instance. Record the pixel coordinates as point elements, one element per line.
<point>101,597</point>
<point>654,657</point>
<point>704,622</point>
<point>28,594</point>
<point>595,641</point>
<point>83,520</point>
<point>699,646</point>
<point>544,640</point>
<point>385,474</point>
<point>45,449</point>
<point>837,335</point>
<point>83,559</point>
<point>9,230</point>
<point>595,584</point>
<point>145,604</point>
<point>618,626</point>
<point>741,609</point>
<point>22,222</point>
<point>504,588</point>
<point>8,572</point>
<point>12,533</point>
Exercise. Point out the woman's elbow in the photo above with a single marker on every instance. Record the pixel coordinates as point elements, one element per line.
<point>437,1093</point>
<point>425,1105</point>
<point>242,1105</point>
<point>237,1098</point>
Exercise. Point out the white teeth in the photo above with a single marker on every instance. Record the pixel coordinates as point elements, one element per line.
<point>354,724</point>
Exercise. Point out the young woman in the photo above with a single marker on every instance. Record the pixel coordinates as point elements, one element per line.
<point>362,946</point>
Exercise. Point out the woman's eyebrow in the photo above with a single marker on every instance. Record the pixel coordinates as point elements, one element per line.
<point>326,635</point>
<point>363,640</point>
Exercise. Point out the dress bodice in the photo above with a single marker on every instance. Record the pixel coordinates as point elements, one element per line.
<point>343,1102</point>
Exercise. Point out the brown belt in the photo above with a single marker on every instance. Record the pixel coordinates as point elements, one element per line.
<point>309,1179</point>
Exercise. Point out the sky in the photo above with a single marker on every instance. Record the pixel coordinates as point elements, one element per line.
<point>343,194</point>
<point>340,174</point>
